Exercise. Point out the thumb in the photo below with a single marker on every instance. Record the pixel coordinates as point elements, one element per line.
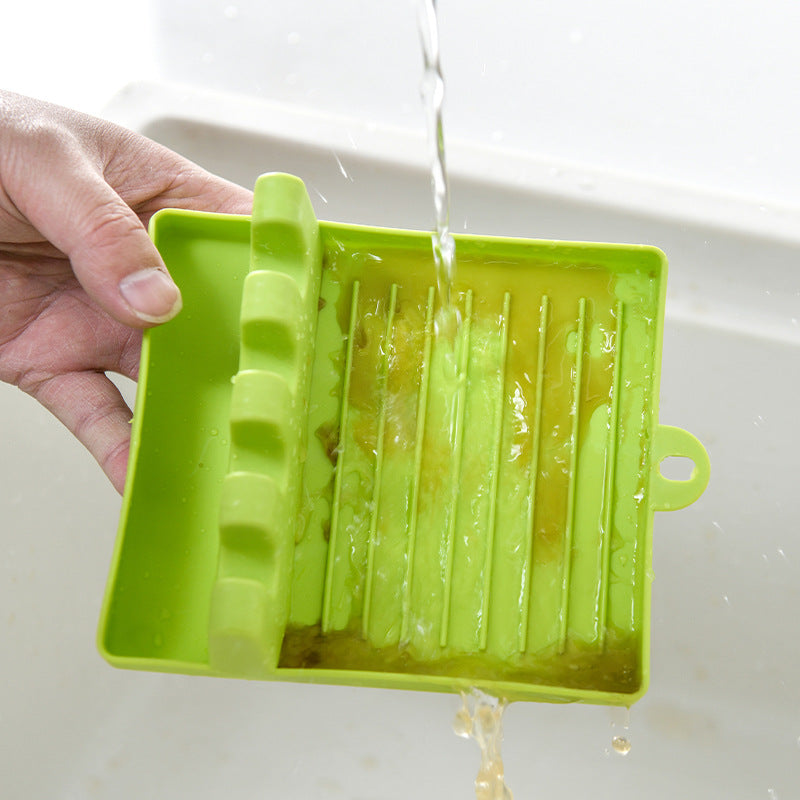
<point>70,203</point>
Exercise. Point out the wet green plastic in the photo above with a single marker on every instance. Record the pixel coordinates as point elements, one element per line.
<point>323,489</point>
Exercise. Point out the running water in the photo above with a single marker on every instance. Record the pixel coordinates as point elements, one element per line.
<point>444,246</point>
<point>481,716</point>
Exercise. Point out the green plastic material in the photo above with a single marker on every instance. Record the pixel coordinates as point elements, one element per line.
<point>335,480</point>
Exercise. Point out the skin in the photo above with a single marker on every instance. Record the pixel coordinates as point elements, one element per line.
<point>76,194</point>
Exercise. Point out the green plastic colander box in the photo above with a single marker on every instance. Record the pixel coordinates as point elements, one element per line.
<point>334,479</point>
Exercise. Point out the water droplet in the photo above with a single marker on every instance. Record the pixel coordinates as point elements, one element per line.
<point>621,745</point>
<point>587,184</point>
<point>293,38</point>
<point>231,12</point>
<point>772,794</point>
<point>726,599</point>
<point>214,432</point>
<point>462,724</point>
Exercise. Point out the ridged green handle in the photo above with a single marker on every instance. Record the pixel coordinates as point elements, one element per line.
<point>261,492</point>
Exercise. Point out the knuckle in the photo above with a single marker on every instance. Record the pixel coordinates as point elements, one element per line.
<point>109,221</point>
<point>34,132</point>
<point>30,137</point>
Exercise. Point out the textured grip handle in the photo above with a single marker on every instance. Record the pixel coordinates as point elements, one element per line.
<point>261,493</point>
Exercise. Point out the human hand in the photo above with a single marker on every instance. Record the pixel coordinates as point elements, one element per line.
<point>79,276</point>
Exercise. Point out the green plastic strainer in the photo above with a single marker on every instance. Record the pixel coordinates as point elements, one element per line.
<point>332,480</point>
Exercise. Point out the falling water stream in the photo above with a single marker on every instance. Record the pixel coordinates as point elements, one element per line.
<point>481,716</point>
<point>444,247</point>
<point>481,719</point>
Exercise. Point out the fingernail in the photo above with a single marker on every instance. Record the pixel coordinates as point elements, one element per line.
<point>151,294</point>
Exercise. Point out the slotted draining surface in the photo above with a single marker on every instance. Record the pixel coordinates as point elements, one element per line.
<point>479,364</point>
<point>485,512</point>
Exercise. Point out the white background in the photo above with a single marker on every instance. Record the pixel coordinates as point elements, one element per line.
<point>696,91</point>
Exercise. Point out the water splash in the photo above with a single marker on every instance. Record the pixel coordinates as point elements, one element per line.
<point>345,173</point>
<point>481,718</point>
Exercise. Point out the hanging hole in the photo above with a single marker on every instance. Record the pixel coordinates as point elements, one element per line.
<point>677,468</point>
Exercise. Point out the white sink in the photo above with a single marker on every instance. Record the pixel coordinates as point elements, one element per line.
<point>722,717</point>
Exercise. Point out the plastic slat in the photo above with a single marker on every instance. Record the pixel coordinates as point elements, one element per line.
<point>422,409</point>
<point>378,475</point>
<point>610,479</point>
<point>337,485</point>
<point>527,572</point>
<point>497,445</point>
<point>455,473</point>
<point>569,528</point>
